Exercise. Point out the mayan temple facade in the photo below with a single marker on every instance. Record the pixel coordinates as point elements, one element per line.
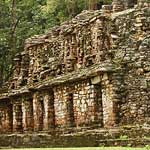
<point>90,72</point>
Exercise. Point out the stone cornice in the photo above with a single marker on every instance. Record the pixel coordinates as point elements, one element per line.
<point>81,74</point>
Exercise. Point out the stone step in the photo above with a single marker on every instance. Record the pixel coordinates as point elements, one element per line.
<point>131,142</point>
<point>71,140</point>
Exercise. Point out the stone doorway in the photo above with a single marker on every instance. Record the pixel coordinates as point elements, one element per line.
<point>6,117</point>
<point>41,115</point>
<point>70,111</point>
<point>10,117</point>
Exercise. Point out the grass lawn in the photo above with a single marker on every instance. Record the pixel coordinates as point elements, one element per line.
<point>86,148</point>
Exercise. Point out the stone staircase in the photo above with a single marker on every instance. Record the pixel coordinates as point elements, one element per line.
<point>81,137</point>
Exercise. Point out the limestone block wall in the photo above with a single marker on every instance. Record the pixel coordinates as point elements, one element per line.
<point>134,55</point>
<point>60,105</point>
<point>76,104</point>
<point>85,104</point>
<point>89,104</point>
<point>137,84</point>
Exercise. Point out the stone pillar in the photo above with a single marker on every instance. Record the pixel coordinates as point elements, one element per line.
<point>49,117</point>
<point>111,96</point>
<point>17,117</point>
<point>38,112</point>
<point>27,110</point>
<point>117,5</point>
<point>70,122</point>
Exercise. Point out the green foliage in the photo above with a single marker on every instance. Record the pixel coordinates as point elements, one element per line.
<point>123,137</point>
<point>147,147</point>
<point>4,38</point>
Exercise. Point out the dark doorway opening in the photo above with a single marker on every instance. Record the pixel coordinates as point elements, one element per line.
<point>70,111</point>
<point>18,114</point>
<point>41,115</point>
<point>98,105</point>
<point>10,115</point>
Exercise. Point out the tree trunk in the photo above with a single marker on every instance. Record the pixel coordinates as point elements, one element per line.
<point>93,4</point>
<point>72,7</point>
<point>13,28</point>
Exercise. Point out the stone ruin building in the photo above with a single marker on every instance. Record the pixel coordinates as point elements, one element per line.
<point>92,72</point>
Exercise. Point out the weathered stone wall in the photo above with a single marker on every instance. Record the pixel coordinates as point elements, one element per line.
<point>95,101</point>
<point>80,99</point>
<point>92,71</point>
<point>80,43</point>
<point>133,53</point>
<point>84,104</point>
